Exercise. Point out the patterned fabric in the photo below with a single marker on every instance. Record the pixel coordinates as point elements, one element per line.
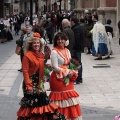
<point>36,105</point>
<point>100,38</point>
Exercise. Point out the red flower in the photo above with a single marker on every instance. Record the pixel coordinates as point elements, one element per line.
<point>36,35</point>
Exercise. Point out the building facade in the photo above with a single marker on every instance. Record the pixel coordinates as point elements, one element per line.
<point>106,9</point>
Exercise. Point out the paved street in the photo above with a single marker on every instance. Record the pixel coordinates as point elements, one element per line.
<point>99,92</point>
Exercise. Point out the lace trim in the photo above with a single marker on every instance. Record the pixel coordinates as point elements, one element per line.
<point>67,103</point>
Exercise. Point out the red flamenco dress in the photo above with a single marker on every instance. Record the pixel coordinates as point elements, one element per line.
<point>64,95</point>
<point>35,105</point>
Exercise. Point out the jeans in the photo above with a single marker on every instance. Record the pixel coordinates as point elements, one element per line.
<point>77,56</point>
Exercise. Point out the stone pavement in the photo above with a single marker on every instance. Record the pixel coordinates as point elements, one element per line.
<point>99,92</point>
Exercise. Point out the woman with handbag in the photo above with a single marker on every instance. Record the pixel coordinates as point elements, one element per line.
<point>35,105</point>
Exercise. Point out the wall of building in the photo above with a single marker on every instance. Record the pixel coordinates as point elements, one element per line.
<point>87,3</point>
<point>111,3</point>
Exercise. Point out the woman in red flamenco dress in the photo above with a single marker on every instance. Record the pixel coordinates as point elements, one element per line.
<point>63,93</point>
<point>35,105</point>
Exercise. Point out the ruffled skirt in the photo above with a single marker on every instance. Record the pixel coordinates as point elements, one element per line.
<point>37,105</point>
<point>67,100</point>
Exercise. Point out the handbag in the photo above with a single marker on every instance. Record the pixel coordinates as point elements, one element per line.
<point>18,50</point>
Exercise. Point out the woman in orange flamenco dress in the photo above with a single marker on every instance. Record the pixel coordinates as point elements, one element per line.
<point>35,105</point>
<point>63,94</point>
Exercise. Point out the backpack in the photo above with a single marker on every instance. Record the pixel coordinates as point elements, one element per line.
<point>47,51</point>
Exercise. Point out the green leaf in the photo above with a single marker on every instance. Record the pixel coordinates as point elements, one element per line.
<point>41,84</point>
<point>66,80</point>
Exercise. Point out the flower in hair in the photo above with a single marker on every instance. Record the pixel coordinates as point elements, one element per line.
<point>36,35</point>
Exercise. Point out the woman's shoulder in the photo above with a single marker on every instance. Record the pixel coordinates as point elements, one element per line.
<point>28,54</point>
<point>54,51</point>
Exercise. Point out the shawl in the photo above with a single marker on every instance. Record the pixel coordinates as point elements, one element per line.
<point>99,35</point>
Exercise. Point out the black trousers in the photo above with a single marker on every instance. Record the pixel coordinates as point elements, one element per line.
<point>50,37</point>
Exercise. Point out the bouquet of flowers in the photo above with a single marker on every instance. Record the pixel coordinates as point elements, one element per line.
<point>47,70</point>
<point>46,76</point>
<point>73,65</point>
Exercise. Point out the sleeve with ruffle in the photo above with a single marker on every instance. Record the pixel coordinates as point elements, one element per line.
<point>54,61</point>
<point>61,71</point>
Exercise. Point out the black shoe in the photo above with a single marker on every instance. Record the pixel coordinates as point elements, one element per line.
<point>2,42</point>
<point>108,57</point>
<point>78,82</point>
<point>100,58</point>
<point>81,80</point>
<point>88,53</point>
<point>20,70</point>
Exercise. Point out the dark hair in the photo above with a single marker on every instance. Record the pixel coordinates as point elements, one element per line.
<point>109,21</point>
<point>59,35</point>
<point>75,20</point>
<point>82,20</point>
<point>96,17</point>
<point>40,30</point>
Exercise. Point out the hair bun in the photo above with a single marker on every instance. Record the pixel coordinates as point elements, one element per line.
<point>36,35</point>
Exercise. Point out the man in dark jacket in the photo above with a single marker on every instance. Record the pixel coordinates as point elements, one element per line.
<point>108,27</point>
<point>49,30</point>
<point>78,35</point>
<point>69,33</point>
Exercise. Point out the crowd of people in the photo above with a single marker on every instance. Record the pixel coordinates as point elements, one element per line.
<point>70,38</point>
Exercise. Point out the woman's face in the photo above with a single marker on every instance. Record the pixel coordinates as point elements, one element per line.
<point>61,42</point>
<point>36,45</point>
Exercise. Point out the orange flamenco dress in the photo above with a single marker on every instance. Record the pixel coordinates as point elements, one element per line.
<point>64,95</point>
<point>35,105</point>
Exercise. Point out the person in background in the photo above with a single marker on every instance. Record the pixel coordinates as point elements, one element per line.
<point>35,105</point>
<point>108,27</point>
<point>69,33</point>
<point>83,24</point>
<point>63,94</point>
<point>78,35</point>
<point>11,22</point>
<point>28,34</point>
<point>100,40</point>
<point>88,36</point>
<point>54,22</point>
<point>109,31</point>
<point>119,31</point>
<point>2,31</point>
<point>49,30</point>
<point>20,43</point>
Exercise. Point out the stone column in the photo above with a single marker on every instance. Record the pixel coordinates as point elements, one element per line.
<point>39,6</point>
<point>79,4</point>
<point>102,3</point>
<point>118,17</point>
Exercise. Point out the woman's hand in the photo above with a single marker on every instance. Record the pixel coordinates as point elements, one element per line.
<point>71,73</point>
<point>29,87</point>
